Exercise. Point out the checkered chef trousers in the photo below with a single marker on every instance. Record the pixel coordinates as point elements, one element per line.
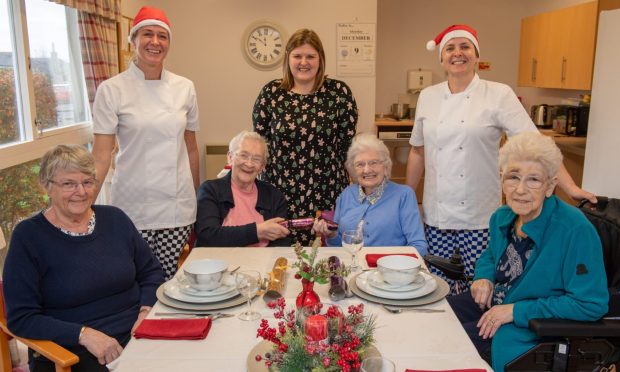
<point>471,244</point>
<point>167,244</point>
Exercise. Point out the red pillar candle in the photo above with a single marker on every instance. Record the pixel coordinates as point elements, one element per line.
<point>316,327</point>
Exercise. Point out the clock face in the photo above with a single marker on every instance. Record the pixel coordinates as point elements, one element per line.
<point>264,44</point>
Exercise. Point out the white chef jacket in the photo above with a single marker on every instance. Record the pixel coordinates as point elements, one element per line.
<point>461,134</point>
<point>152,182</point>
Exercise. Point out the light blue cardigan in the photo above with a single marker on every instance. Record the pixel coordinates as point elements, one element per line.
<point>554,283</point>
<point>394,220</point>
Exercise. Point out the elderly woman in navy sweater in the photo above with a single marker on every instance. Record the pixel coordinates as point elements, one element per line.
<point>76,273</point>
<point>389,211</point>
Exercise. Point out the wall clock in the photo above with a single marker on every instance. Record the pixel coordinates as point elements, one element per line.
<point>263,44</point>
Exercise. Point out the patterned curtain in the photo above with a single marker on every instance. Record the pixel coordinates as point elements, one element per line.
<point>110,9</point>
<point>99,50</point>
<point>97,20</point>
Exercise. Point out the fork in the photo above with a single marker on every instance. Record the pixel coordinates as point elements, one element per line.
<point>212,316</point>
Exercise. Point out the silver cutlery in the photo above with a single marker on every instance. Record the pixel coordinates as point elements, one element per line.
<point>398,310</point>
<point>211,316</point>
<point>233,270</point>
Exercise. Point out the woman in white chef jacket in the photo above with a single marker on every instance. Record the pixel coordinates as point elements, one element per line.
<point>455,142</point>
<point>153,114</point>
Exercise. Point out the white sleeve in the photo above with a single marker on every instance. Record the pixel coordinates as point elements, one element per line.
<point>192,113</point>
<point>511,115</point>
<point>105,110</point>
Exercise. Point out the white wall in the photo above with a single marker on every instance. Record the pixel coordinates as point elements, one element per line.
<point>206,48</point>
<point>404,27</point>
<point>600,173</point>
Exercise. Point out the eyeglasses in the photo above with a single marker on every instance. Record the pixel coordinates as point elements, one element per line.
<point>360,165</point>
<point>71,186</point>
<point>513,180</point>
<point>245,157</point>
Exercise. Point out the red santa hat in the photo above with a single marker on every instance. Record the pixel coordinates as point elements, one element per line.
<point>450,33</point>
<point>149,16</point>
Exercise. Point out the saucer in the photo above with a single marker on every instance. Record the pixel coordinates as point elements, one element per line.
<point>186,288</point>
<point>173,290</point>
<point>375,279</point>
<point>429,286</point>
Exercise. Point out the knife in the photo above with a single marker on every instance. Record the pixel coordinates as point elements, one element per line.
<point>220,315</point>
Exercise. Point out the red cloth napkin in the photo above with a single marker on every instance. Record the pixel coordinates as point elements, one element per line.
<point>174,329</point>
<point>448,370</point>
<point>371,258</point>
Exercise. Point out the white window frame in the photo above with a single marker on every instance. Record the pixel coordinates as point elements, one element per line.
<point>33,143</point>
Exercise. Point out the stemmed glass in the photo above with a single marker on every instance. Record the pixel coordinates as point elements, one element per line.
<point>377,364</point>
<point>352,242</point>
<point>248,283</point>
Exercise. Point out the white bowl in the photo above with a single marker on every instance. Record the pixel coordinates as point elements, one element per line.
<point>398,270</point>
<point>205,275</point>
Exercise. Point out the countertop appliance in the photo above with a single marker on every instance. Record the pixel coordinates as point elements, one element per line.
<point>540,116</point>
<point>577,120</point>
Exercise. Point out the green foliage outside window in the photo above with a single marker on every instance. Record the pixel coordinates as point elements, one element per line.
<point>45,102</point>
<point>20,195</point>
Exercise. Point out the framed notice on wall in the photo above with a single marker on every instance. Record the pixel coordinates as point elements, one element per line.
<point>125,49</point>
<point>356,49</point>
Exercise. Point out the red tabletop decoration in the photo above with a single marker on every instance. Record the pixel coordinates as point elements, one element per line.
<point>316,327</point>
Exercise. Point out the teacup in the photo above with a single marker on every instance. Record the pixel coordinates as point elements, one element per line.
<point>206,274</point>
<point>398,270</point>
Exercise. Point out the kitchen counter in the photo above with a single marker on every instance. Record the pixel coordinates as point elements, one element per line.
<point>388,121</point>
<point>567,144</point>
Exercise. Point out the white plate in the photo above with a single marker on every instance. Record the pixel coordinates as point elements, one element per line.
<point>173,290</point>
<point>189,290</point>
<point>429,286</point>
<point>375,279</point>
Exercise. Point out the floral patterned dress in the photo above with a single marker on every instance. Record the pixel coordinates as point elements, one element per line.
<point>308,137</point>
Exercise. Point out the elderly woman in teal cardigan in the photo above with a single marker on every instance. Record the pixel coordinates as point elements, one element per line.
<point>544,259</point>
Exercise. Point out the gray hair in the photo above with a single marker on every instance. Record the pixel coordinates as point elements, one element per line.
<point>73,158</point>
<point>532,146</point>
<point>235,142</point>
<point>363,142</point>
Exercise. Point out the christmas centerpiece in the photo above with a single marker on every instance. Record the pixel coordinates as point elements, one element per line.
<point>311,271</point>
<point>317,338</point>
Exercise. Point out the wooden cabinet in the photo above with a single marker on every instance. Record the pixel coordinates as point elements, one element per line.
<point>557,48</point>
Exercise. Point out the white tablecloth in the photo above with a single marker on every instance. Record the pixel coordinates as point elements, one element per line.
<point>412,340</point>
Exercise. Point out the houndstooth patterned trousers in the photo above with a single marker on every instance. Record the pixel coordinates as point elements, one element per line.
<point>471,244</point>
<point>167,244</point>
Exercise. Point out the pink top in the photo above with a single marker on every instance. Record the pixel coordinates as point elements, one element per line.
<point>244,211</point>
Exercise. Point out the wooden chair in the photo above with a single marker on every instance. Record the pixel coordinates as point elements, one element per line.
<point>191,240</point>
<point>62,358</point>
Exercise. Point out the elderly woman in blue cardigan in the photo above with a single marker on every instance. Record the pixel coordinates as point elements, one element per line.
<point>389,211</point>
<point>544,259</point>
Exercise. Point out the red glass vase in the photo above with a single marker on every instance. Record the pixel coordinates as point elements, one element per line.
<point>307,296</point>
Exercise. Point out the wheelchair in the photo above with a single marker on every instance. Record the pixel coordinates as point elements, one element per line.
<point>568,345</point>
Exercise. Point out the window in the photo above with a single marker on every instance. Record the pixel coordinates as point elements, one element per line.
<point>45,104</point>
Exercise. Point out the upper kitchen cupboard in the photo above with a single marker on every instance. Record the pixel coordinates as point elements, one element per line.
<point>557,48</point>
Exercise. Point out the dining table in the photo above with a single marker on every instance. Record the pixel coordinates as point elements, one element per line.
<point>412,340</point>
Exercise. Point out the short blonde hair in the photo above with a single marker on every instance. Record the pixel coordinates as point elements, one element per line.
<point>363,142</point>
<point>532,146</point>
<point>235,142</point>
<point>74,158</point>
<point>299,38</point>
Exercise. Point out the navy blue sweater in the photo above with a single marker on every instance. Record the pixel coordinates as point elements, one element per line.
<point>55,283</point>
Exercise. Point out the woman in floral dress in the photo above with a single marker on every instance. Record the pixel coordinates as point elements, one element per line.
<point>308,121</point>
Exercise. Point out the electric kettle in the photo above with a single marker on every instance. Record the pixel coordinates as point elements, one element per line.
<point>540,116</point>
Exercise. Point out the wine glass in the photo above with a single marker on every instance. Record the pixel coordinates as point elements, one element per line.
<point>352,242</point>
<point>377,364</point>
<point>248,284</point>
